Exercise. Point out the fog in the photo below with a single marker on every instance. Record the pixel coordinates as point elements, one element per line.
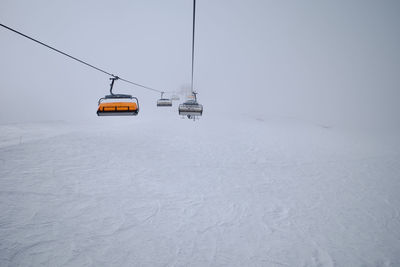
<point>331,62</point>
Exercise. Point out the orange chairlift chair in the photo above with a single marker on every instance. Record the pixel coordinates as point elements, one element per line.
<point>117,104</point>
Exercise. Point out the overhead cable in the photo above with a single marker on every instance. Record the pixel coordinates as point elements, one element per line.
<point>194,27</point>
<point>77,59</point>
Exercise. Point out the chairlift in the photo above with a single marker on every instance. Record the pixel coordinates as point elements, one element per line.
<point>164,102</point>
<point>191,108</point>
<point>175,97</point>
<point>117,104</point>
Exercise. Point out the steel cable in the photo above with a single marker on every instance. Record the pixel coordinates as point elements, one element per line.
<point>77,59</point>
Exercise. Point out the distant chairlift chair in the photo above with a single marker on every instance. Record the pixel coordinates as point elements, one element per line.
<point>164,102</point>
<point>174,97</point>
<point>191,108</point>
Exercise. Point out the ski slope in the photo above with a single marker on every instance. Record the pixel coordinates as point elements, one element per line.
<point>248,191</point>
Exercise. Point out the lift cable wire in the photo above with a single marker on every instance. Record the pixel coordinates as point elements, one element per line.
<point>77,59</point>
<point>140,85</point>
<point>194,23</point>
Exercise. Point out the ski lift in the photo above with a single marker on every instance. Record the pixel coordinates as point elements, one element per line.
<point>117,104</point>
<point>191,108</point>
<point>164,102</point>
<point>174,97</point>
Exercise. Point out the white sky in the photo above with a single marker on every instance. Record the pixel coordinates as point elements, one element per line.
<point>328,61</point>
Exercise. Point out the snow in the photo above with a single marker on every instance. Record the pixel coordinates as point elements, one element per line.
<point>244,191</point>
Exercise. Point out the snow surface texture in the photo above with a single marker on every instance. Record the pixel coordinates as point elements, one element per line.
<point>171,192</point>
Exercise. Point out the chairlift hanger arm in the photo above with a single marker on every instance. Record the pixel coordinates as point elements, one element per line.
<point>113,79</point>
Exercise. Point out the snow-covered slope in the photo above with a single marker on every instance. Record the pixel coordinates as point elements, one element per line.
<point>169,192</point>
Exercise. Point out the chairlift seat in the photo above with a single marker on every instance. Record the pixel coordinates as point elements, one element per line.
<point>190,108</point>
<point>163,102</point>
<point>122,106</point>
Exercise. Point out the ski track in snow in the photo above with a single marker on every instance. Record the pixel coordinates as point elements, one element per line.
<point>177,193</point>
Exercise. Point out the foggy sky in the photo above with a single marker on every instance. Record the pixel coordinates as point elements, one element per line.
<point>327,61</point>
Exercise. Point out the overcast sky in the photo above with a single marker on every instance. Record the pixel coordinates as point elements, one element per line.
<point>328,61</point>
